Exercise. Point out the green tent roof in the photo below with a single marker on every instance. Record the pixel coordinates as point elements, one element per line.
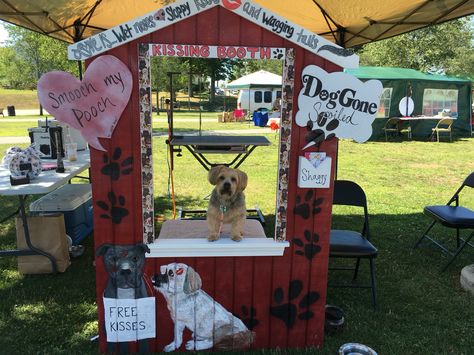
<point>388,73</point>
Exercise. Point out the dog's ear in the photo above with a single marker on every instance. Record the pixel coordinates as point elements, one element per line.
<point>214,174</point>
<point>143,247</point>
<point>101,250</point>
<point>192,281</point>
<point>242,180</point>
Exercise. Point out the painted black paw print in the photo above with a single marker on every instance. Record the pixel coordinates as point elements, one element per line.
<point>116,213</point>
<point>277,53</point>
<point>248,317</point>
<point>114,168</point>
<point>304,209</point>
<point>288,312</point>
<point>310,249</point>
<point>315,133</point>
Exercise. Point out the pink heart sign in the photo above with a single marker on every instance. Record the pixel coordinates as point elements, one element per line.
<point>93,105</point>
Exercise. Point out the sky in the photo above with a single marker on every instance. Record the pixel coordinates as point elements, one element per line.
<point>3,33</point>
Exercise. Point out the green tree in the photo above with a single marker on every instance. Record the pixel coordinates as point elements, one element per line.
<point>213,68</point>
<point>443,47</point>
<point>160,78</point>
<point>245,67</point>
<point>28,55</point>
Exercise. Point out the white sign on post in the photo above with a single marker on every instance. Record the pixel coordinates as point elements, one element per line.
<point>337,104</point>
<point>314,170</point>
<point>129,319</point>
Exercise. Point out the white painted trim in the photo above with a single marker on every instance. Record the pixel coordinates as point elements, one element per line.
<point>136,28</point>
<point>165,248</point>
<point>182,9</point>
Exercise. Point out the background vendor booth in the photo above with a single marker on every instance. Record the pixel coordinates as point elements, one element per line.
<point>431,94</point>
<point>257,90</point>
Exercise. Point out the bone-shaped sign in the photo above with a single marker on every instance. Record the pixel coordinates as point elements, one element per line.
<point>93,105</point>
<point>337,104</point>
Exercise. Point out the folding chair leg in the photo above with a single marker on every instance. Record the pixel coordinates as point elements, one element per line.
<point>456,253</point>
<point>423,235</point>
<point>356,269</point>
<point>373,283</point>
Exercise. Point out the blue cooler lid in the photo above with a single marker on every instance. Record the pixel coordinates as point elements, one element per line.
<point>66,198</point>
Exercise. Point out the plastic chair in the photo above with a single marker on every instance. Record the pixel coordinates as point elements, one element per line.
<point>443,126</point>
<point>395,127</point>
<point>353,244</point>
<point>451,216</point>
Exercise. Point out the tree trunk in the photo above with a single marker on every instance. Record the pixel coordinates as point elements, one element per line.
<point>190,85</point>
<point>157,101</point>
<point>212,94</point>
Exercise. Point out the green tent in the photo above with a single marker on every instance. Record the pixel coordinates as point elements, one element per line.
<point>431,94</point>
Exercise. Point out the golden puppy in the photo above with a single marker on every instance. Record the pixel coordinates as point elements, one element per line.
<point>227,202</point>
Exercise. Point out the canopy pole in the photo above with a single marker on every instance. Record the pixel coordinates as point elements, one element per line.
<point>77,37</point>
<point>79,66</point>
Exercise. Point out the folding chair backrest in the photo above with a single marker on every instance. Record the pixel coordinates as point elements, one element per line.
<point>348,193</point>
<point>391,123</point>
<point>445,123</point>
<point>469,180</point>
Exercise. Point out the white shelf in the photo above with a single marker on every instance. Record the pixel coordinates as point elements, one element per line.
<point>179,247</point>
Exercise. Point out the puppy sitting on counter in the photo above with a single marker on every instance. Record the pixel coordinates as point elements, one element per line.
<point>227,202</point>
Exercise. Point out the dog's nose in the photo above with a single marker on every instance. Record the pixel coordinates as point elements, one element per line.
<point>226,185</point>
<point>125,272</point>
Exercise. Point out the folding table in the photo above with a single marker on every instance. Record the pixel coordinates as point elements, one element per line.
<point>240,146</point>
<point>46,182</point>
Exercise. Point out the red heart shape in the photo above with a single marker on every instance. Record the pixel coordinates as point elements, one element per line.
<point>93,105</point>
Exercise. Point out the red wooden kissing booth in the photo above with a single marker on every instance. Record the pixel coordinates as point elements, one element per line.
<point>280,299</point>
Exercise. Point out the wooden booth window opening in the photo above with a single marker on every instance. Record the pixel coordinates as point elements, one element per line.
<point>187,237</point>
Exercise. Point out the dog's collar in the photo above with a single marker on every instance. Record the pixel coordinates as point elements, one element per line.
<point>223,208</point>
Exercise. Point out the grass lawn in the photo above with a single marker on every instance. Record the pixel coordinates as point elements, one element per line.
<point>21,99</point>
<point>27,99</point>
<point>421,311</point>
<point>183,121</point>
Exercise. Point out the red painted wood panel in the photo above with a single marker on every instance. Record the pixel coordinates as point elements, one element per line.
<point>242,280</point>
<point>275,296</point>
<point>230,33</point>
<point>209,26</point>
<point>262,287</point>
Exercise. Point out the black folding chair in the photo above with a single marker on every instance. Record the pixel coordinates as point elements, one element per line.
<point>350,243</point>
<point>451,216</point>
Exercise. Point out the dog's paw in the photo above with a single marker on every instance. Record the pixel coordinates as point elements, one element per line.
<point>114,167</point>
<point>191,345</point>
<point>170,347</point>
<point>306,208</point>
<point>213,237</point>
<point>199,345</point>
<point>309,249</point>
<point>237,238</point>
<point>288,311</point>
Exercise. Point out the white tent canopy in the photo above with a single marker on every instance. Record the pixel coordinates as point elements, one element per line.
<point>257,79</point>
